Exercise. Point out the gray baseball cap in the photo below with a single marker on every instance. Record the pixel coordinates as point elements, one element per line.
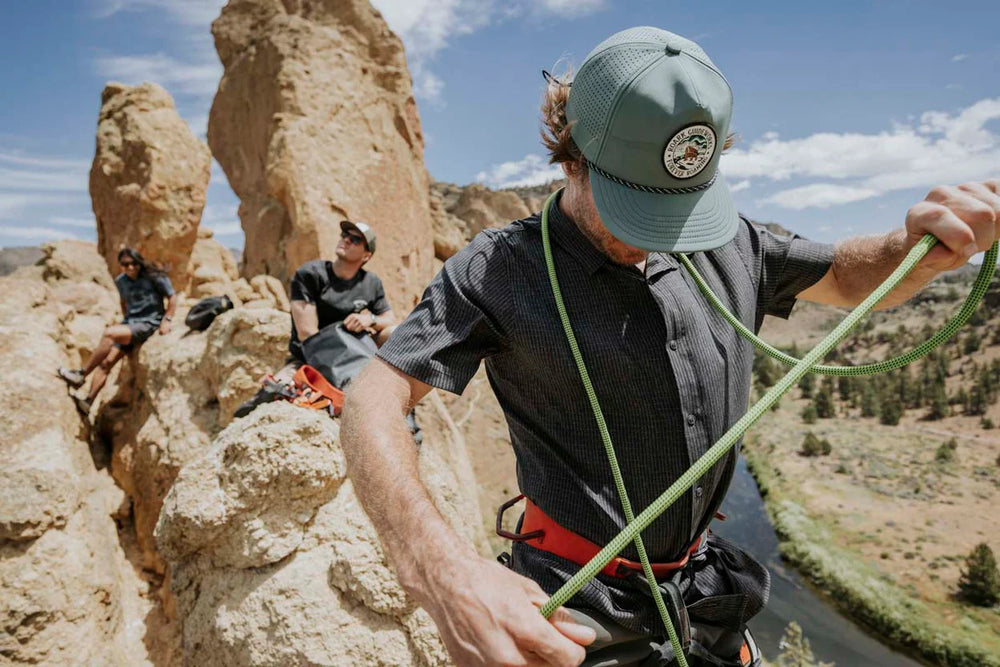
<point>650,112</point>
<point>362,228</point>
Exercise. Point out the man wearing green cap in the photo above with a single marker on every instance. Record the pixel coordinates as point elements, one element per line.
<point>639,132</point>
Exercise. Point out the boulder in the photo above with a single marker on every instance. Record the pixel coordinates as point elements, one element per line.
<point>211,264</point>
<point>68,593</point>
<point>314,122</point>
<point>275,562</point>
<point>174,399</point>
<point>148,179</point>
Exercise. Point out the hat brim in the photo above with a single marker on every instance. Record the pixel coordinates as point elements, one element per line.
<point>690,222</point>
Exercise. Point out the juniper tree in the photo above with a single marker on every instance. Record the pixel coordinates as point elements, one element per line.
<point>807,384</point>
<point>823,402</point>
<point>891,410</point>
<point>980,580</point>
<point>869,404</point>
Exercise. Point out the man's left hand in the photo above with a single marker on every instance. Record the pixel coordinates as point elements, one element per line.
<point>964,218</point>
<point>165,327</point>
<point>358,322</point>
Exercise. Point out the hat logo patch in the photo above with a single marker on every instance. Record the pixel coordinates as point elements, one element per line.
<point>689,151</point>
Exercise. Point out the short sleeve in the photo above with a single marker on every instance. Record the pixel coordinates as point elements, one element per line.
<point>462,318</point>
<point>379,303</point>
<point>788,266</point>
<point>306,284</point>
<point>163,286</point>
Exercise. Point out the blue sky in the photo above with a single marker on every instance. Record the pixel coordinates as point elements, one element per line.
<point>847,112</point>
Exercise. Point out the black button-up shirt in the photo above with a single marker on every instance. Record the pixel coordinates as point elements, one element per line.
<point>670,374</point>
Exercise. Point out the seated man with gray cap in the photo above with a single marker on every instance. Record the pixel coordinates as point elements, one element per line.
<point>328,293</point>
<point>639,133</point>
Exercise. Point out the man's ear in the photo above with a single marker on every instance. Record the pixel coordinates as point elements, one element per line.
<point>368,256</point>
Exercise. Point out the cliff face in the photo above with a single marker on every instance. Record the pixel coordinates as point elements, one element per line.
<point>68,594</point>
<point>315,122</point>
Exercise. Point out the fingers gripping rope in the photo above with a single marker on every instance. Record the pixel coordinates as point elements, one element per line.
<point>809,363</point>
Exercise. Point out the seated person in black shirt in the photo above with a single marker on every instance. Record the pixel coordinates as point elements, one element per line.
<point>142,287</point>
<point>330,292</point>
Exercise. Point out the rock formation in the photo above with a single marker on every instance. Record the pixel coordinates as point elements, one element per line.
<point>273,560</point>
<point>176,397</point>
<point>68,595</point>
<point>148,180</point>
<point>314,122</point>
<point>460,212</point>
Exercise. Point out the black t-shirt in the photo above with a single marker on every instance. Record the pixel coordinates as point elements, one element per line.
<point>335,299</point>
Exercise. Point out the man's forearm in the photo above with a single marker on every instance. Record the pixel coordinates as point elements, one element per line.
<point>863,263</point>
<point>380,322</point>
<point>382,462</point>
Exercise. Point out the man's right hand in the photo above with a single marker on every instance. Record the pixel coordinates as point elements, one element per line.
<point>489,615</point>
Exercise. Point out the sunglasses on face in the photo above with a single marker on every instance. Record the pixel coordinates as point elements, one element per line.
<point>126,265</point>
<point>354,238</point>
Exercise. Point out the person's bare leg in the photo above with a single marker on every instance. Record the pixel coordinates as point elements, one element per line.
<point>116,333</point>
<point>101,372</point>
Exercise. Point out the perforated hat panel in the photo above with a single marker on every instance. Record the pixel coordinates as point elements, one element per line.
<point>597,86</point>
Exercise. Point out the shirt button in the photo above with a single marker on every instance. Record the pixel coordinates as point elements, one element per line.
<point>691,419</point>
<point>673,345</point>
<point>698,491</point>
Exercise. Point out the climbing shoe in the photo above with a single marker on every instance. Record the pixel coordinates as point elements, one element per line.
<point>269,392</point>
<point>73,377</point>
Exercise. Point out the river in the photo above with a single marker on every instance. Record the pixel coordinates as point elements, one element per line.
<point>834,637</point>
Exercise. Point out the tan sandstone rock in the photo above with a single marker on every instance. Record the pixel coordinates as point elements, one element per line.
<point>274,560</point>
<point>314,122</point>
<point>148,179</point>
<point>180,392</point>
<point>68,594</point>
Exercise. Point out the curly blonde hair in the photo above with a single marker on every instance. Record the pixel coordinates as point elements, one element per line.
<point>556,129</point>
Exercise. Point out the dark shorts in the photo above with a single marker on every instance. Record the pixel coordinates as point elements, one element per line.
<point>141,331</point>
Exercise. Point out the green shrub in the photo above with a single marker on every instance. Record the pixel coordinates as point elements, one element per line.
<point>987,424</point>
<point>813,446</point>
<point>980,580</point>
<point>946,452</point>
<point>890,411</point>
<point>809,414</point>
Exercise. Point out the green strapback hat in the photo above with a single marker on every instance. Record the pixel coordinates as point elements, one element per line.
<point>650,113</point>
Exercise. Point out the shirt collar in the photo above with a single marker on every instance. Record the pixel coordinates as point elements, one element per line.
<point>571,239</point>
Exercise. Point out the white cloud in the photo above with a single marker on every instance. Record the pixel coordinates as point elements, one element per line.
<point>20,173</point>
<point>572,7</point>
<point>531,170</point>
<point>428,26</point>
<point>940,148</point>
<point>200,78</point>
<point>186,12</point>
<point>819,195</point>
<point>959,57</point>
<point>36,234</point>
<point>739,187</point>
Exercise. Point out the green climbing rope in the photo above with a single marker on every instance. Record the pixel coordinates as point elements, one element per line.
<point>979,288</point>
<point>631,532</point>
